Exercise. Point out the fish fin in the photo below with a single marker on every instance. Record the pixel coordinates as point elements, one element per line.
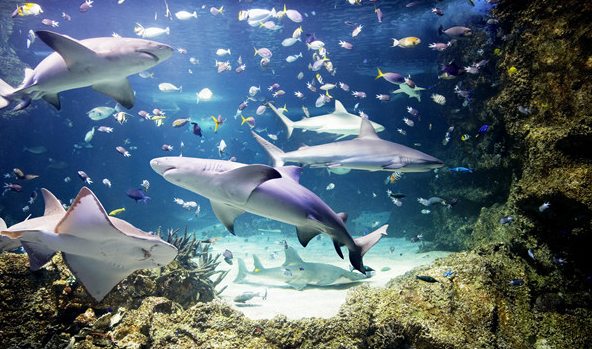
<point>291,171</point>
<point>242,271</point>
<point>393,166</point>
<point>85,211</point>
<point>97,276</point>
<point>289,123</point>
<point>363,244</point>
<point>238,184</point>
<point>297,283</point>
<point>226,214</point>
<point>339,108</point>
<point>337,246</point>
<point>292,256</point>
<point>274,152</point>
<point>327,280</point>
<point>343,216</point>
<point>53,99</point>
<point>367,131</point>
<point>76,55</point>
<point>119,90</point>
<point>3,225</point>
<point>306,234</point>
<point>52,204</point>
<point>39,254</point>
<point>257,263</point>
<point>5,89</point>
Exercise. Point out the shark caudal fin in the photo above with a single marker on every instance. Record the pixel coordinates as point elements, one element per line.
<point>5,90</point>
<point>242,271</point>
<point>363,244</point>
<point>274,152</point>
<point>289,123</point>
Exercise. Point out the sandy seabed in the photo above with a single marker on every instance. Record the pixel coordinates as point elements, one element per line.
<point>312,301</point>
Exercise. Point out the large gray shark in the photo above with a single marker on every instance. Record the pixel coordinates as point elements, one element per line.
<point>103,63</point>
<point>366,152</point>
<point>296,272</point>
<point>234,188</point>
<point>100,250</point>
<point>339,122</point>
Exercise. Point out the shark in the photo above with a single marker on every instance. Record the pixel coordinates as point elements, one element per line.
<point>296,272</point>
<point>365,152</point>
<point>100,250</point>
<point>411,92</point>
<point>234,188</point>
<point>339,122</point>
<point>103,63</point>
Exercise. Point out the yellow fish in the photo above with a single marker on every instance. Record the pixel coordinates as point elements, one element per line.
<point>465,137</point>
<point>27,9</point>
<point>115,212</point>
<point>407,42</point>
<point>158,117</point>
<point>512,70</point>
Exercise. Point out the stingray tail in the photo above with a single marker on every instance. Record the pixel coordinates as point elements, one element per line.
<point>363,244</point>
<point>242,271</point>
<point>274,152</point>
<point>289,123</point>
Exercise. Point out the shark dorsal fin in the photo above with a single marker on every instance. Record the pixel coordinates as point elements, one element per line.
<point>257,263</point>
<point>85,210</point>
<point>291,171</point>
<point>367,130</point>
<point>73,52</point>
<point>292,256</point>
<point>52,204</point>
<point>339,108</point>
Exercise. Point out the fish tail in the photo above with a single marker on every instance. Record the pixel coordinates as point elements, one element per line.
<point>363,244</point>
<point>180,88</point>
<point>216,122</point>
<point>242,271</point>
<point>395,42</point>
<point>274,152</point>
<point>380,74</point>
<point>5,90</point>
<point>244,120</point>
<point>289,123</point>
<point>255,51</point>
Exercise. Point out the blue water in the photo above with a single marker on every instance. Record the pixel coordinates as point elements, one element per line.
<point>353,193</point>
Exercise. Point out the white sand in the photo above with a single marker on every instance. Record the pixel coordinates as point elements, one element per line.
<point>312,301</point>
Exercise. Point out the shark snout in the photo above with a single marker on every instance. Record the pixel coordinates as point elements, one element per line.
<point>160,165</point>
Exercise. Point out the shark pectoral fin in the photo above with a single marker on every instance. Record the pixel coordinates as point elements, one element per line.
<point>119,90</point>
<point>291,171</point>
<point>74,53</point>
<point>393,166</point>
<point>306,234</point>
<point>328,280</point>
<point>226,214</point>
<point>238,184</point>
<point>298,283</point>
<point>53,99</point>
<point>97,275</point>
<point>274,152</point>
<point>52,204</point>
<point>39,254</point>
<point>242,271</point>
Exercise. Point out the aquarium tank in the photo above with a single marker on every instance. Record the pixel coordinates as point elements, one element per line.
<point>298,174</point>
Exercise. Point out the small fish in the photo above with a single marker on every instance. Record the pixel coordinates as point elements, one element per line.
<point>221,147</point>
<point>107,182</point>
<point>136,194</point>
<point>516,282</point>
<point>117,211</point>
<point>121,150</point>
<point>506,220</point>
<point>482,130</point>
<point>167,147</point>
<point>216,11</point>
<point>425,278</point>
<point>227,254</point>
<point>357,31</point>
<point>331,186</point>
<point>465,137</point>
<point>167,87</point>
<point>460,169</point>
<point>13,187</point>
<point>209,241</point>
<point>181,122</point>
<point>85,6</point>
<point>218,122</point>
<point>246,296</point>
<point>145,184</point>
<point>84,177</point>
<point>544,207</point>
<point>196,129</point>
<point>33,197</point>
<point>408,42</point>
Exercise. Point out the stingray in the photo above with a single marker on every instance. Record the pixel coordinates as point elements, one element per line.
<point>100,250</point>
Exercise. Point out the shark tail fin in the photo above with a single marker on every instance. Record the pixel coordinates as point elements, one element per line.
<point>274,152</point>
<point>363,244</point>
<point>289,123</point>
<point>3,225</point>
<point>242,271</point>
<point>5,89</point>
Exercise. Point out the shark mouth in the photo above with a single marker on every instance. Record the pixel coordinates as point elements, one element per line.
<point>155,57</point>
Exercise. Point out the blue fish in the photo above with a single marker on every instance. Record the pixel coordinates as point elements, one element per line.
<point>482,130</point>
<point>461,169</point>
<point>137,194</point>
